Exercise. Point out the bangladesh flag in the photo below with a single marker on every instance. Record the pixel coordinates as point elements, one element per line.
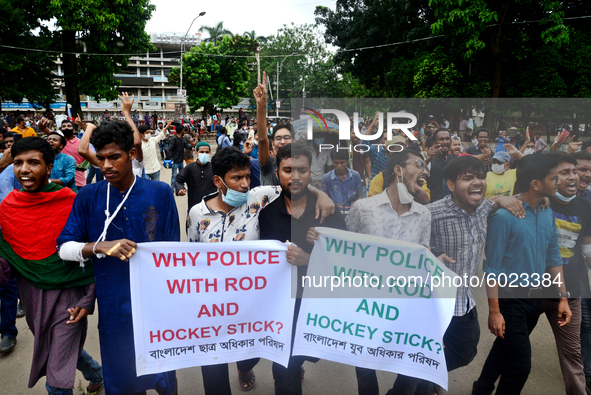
<point>30,223</point>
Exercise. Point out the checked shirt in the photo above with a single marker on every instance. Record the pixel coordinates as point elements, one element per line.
<point>461,236</point>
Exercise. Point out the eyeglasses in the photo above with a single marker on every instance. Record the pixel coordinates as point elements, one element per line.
<point>420,164</point>
<point>285,138</point>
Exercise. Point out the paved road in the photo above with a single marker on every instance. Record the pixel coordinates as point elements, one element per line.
<point>324,377</point>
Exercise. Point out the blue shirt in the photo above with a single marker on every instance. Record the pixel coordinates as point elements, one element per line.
<point>8,182</point>
<point>527,245</point>
<point>343,193</point>
<point>255,152</point>
<point>378,159</point>
<point>64,168</point>
<point>225,141</point>
<point>500,143</point>
<point>149,214</point>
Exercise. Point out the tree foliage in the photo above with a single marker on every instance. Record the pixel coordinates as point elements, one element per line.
<point>93,26</point>
<point>297,55</point>
<point>215,33</point>
<point>216,76</point>
<point>482,48</point>
<point>25,74</point>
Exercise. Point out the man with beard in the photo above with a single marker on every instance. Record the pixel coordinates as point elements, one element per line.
<point>64,166</point>
<point>573,223</point>
<point>584,172</point>
<point>107,220</point>
<point>57,295</point>
<point>481,151</point>
<point>22,128</point>
<point>438,159</point>
<point>71,148</point>
<point>522,248</point>
<point>458,230</point>
<point>395,215</point>
<point>289,218</point>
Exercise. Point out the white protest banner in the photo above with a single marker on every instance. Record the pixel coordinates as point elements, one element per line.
<point>198,304</point>
<point>386,316</point>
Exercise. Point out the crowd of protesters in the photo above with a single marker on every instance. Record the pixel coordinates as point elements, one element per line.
<point>523,203</point>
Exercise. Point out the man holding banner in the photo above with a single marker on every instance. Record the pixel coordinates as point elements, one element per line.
<point>290,217</point>
<point>394,214</point>
<point>232,214</point>
<point>133,210</point>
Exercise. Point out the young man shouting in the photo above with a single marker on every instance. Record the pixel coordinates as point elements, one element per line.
<point>57,294</point>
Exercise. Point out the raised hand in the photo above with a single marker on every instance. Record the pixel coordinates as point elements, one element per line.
<point>573,145</point>
<point>127,102</point>
<point>511,149</point>
<point>78,121</point>
<point>260,92</point>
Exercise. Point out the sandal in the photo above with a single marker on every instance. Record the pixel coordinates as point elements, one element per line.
<point>95,392</point>
<point>247,380</point>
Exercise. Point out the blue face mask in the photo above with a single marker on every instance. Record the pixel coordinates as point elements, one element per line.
<point>234,198</point>
<point>319,141</point>
<point>564,198</point>
<point>203,158</point>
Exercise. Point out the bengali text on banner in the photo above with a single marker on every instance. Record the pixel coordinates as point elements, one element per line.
<point>379,309</point>
<point>198,304</point>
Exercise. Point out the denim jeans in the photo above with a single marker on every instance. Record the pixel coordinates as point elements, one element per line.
<point>153,176</point>
<point>91,370</point>
<point>175,168</point>
<point>8,299</point>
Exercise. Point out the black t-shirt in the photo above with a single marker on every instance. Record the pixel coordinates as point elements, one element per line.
<point>276,224</point>
<point>268,174</point>
<point>572,223</point>
<point>435,178</point>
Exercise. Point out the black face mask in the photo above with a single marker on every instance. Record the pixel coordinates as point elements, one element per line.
<point>68,133</point>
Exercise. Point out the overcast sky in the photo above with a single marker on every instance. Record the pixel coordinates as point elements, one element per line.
<point>238,16</point>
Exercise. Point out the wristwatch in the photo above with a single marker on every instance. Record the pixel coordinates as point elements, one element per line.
<point>564,295</point>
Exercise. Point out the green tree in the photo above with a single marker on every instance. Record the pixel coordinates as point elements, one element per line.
<point>253,35</point>
<point>494,27</point>
<point>97,26</point>
<point>25,74</point>
<point>215,33</point>
<point>298,57</point>
<point>216,76</point>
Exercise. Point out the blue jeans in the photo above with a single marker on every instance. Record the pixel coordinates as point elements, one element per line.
<point>175,167</point>
<point>586,334</point>
<point>91,370</point>
<point>8,299</point>
<point>163,146</point>
<point>153,176</point>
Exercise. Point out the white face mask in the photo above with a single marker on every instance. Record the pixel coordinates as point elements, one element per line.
<point>498,168</point>
<point>403,195</point>
<point>528,151</point>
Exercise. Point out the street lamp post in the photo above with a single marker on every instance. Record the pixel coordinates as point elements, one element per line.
<point>183,45</point>
<point>279,65</point>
